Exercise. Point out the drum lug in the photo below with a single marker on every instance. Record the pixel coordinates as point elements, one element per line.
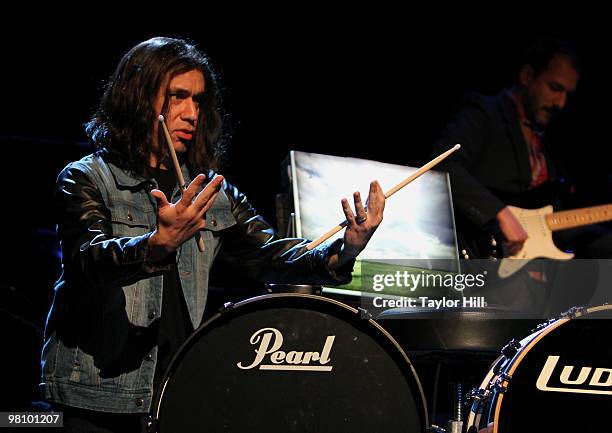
<point>510,349</point>
<point>574,312</point>
<point>227,306</point>
<point>502,382</point>
<point>478,396</point>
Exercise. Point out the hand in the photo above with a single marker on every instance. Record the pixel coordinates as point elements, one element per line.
<point>176,223</point>
<point>361,227</point>
<point>512,230</point>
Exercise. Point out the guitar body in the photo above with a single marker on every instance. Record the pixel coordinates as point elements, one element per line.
<point>539,243</point>
<point>538,219</point>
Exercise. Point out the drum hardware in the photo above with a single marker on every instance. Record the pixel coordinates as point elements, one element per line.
<point>305,289</point>
<point>459,402</point>
<point>543,325</point>
<point>499,363</point>
<point>463,341</point>
<point>501,384</point>
<point>456,424</point>
<point>365,314</point>
<point>478,396</point>
<point>574,312</point>
<point>510,349</point>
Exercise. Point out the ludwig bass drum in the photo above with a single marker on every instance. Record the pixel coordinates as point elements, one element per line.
<point>558,379</point>
<point>290,363</point>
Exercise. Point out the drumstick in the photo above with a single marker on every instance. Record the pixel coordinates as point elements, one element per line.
<point>179,174</point>
<point>424,169</point>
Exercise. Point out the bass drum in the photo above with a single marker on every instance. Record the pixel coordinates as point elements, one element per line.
<point>558,379</point>
<point>290,363</point>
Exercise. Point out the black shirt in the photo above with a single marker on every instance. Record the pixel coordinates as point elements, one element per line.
<point>174,325</point>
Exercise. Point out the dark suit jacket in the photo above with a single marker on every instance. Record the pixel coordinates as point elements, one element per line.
<point>493,161</point>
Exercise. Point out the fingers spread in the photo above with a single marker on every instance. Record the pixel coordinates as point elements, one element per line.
<point>359,208</point>
<point>160,197</point>
<point>209,203</point>
<point>192,189</point>
<point>206,195</point>
<point>358,204</point>
<point>348,212</point>
<point>376,199</point>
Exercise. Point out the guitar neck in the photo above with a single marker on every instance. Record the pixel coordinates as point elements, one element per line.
<point>569,219</point>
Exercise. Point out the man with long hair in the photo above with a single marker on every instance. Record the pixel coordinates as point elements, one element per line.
<point>134,283</point>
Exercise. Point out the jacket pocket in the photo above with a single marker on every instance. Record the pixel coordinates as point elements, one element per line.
<point>130,221</point>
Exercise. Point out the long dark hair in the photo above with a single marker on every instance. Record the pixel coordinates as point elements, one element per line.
<point>123,122</point>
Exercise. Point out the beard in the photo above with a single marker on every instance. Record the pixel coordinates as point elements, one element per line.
<point>537,114</point>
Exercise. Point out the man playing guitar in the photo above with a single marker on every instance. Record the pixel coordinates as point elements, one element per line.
<point>503,162</point>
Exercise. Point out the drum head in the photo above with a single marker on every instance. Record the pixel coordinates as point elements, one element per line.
<point>562,380</point>
<point>291,363</point>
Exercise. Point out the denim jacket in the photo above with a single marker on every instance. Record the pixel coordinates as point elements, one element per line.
<point>100,347</point>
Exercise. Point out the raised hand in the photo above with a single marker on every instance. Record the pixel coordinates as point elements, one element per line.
<point>178,222</point>
<point>361,227</point>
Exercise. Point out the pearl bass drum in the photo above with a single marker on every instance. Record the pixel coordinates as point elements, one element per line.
<point>290,363</point>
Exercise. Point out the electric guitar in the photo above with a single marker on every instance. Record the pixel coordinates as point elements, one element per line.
<point>539,225</point>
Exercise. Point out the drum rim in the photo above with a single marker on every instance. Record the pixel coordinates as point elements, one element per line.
<point>538,335</point>
<point>226,312</point>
